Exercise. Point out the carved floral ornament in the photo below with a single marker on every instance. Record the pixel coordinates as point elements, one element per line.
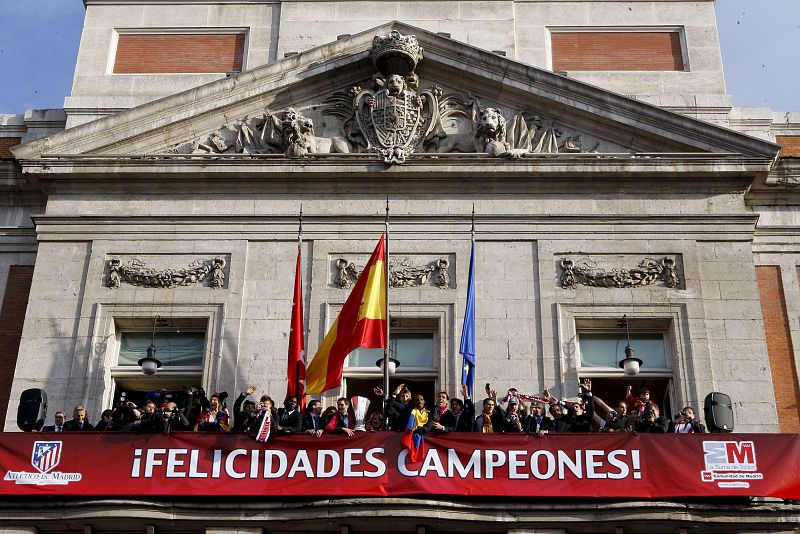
<point>136,273</point>
<point>648,272</point>
<point>402,273</point>
<point>393,118</point>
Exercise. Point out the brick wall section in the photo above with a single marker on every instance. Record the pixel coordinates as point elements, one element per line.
<point>12,317</point>
<point>790,145</point>
<point>616,51</point>
<point>155,54</point>
<point>6,143</point>
<point>779,347</point>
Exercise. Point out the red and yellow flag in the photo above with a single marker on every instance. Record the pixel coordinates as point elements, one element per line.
<point>361,324</point>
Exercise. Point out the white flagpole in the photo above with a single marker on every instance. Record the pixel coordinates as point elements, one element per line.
<point>388,343</point>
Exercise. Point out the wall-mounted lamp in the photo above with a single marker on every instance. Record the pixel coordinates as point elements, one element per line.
<point>630,364</point>
<point>393,365</point>
<point>150,364</point>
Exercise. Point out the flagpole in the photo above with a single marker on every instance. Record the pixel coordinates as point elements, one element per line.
<point>302,326</point>
<point>467,347</point>
<point>388,344</point>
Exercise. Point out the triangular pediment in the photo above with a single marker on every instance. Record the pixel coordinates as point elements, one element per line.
<point>336,96</point>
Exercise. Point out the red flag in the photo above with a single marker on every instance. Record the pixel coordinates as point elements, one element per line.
<point>296,372</point>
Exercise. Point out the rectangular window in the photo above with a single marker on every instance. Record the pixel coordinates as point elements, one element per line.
<point>600,351</point>
<point>172,348</point>
<point>410,349</point>
<point>171,53</point>
<point>790,145</point>
<point>180,345</point>
<point>617,50</point>
<point>414,344</point>
<point>605,350</point>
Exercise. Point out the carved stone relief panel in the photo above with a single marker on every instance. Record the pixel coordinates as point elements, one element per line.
<point>625,270</point>
<point>405,270</point>
<point>166,271</point>
<point>392,116</point>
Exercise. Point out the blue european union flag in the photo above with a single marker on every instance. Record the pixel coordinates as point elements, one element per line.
<point>467,348</point>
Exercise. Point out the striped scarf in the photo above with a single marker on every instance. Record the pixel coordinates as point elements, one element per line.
<point>487,425</point>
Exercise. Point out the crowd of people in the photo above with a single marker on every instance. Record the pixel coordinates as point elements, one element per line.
<point>164,412</point>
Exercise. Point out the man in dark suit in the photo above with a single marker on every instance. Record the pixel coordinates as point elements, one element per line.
<point>492,419</point>
<point>59,424</point>
<point>537,422</point>
<point>312,420</point>
<point>78,422</point>
<point>459,417</point>
<point>289,420</point>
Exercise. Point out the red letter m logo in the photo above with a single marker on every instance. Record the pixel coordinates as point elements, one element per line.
<point>740,452</point>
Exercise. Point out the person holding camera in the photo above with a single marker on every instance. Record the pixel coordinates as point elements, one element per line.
<point>652,421</point>
<point>151,420</point>
<point>514,418</point>
<point>685,423</point>
<point>174,419</point>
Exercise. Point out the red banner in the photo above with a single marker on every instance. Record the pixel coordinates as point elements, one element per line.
<point>568,465</point>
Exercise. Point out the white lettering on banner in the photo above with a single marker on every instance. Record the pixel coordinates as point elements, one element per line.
<point>229,470</point>
<point>173,462</point>
<point>216,464</point>
<point>351,462</point>
<point>151,461</point>
<point>377,463</point>
<point>454,462</point>
<point>624,470</point>
<point>193,464</point>
<point>322,455</point>
<point>301,464</point>
<point>514,464</point>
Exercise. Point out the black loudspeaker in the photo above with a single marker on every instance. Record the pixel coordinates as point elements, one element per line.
<point>719,412</point>
<point>32,410</point>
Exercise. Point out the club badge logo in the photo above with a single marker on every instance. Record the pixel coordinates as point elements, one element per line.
<point>45,457</point>
<point>730,464</point>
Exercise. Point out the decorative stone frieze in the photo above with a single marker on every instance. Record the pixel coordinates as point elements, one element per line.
<point>647,272</point>
<point>402,273</point>
<point>135,272</point>
<point>393,118</point>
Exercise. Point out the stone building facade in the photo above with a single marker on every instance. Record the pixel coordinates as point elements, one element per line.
<point>620,185</point>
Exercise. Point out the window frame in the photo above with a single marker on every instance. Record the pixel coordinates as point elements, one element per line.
<point>106,347</point>
<point>679,29</point>
<point>189,30</point>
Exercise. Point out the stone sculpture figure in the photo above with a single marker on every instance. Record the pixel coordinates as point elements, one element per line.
<point>218,273</point>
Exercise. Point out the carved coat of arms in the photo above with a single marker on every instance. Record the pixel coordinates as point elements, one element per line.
<point>395,118</point>
<point>392,116</point>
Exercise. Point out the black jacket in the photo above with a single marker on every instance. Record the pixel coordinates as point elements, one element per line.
<point>72,426</point>
<point>289,423</point>
<point>462,423</point>
<point>498,419</point>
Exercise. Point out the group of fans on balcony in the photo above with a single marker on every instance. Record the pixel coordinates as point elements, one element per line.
<point>160,413</point>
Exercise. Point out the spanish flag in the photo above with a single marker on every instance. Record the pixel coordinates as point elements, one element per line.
<point>361,324</point>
